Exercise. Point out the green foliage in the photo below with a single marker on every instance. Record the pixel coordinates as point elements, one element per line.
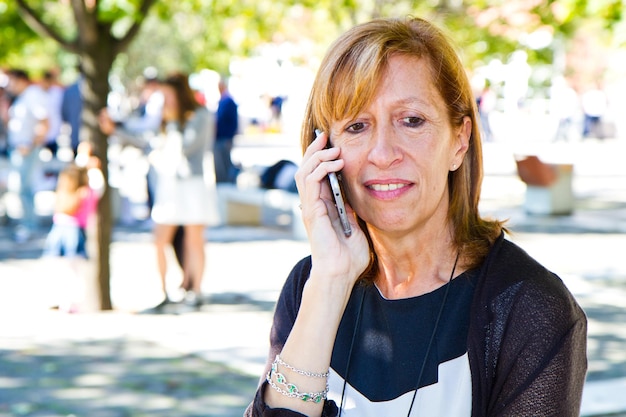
<point>612,14</point>
<point>114,10</point>
<point>173,54</point>
<point>195,34</point>
<point>14,33</point>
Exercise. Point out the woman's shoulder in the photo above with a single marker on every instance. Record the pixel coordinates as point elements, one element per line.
<point>511,277</point>
<point>508,264</point>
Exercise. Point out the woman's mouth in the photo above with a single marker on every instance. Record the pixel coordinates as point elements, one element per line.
<point>386,187</point>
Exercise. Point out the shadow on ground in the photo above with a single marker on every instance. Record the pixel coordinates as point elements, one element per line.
<point>217,302</point>
<point>117,378</point>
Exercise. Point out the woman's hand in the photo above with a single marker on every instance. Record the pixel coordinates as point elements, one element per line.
<point>335,256</point>
<point>337,262</point>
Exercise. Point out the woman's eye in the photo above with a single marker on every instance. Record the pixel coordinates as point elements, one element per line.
<point>355,127</point>
<point>413,121</point>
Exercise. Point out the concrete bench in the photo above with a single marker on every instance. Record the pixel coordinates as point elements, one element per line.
<point>548,186</point>
<point>255,206</point>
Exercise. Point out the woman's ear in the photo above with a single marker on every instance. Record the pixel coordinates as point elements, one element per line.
<point>461,142</point>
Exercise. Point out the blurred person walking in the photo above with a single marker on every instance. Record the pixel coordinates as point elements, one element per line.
<point>181,195</point>
<point>594,104</point>
<point>227,125</point>
<point>146,120</point>
<point>72,108</point>
<point>486,102</point>
<point>4,118</point>
<point>147,116</point>
<point>139,130</point>
<point>54,94</point>
<point>27,128</point>
<point>564,106</point>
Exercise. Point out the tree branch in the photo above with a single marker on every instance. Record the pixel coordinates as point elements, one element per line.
<point>123,43</point>
<point>32,19</point>
<point>84,20</point>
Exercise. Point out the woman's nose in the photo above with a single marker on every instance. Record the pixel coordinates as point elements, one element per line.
<point>384,150</point>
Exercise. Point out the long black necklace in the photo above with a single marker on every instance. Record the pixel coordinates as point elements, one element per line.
<point>430,342</point>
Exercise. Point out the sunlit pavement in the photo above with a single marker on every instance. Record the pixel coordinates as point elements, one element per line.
<point>191,363</point>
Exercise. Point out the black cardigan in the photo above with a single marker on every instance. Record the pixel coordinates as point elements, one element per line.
<point>526,341</point>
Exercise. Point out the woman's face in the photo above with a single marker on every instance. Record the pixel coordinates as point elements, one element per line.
<point>399,149</point>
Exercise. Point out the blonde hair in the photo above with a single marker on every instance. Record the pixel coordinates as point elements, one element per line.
<point>347,81</point>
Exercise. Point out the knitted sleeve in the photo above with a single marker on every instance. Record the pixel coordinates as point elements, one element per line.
<point>542,362</point>
<point>528,343</point>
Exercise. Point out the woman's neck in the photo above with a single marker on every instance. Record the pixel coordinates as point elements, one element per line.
<point>412,267</point>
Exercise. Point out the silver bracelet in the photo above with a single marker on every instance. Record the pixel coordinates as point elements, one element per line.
<point>278,360</point>
<point>291,390</point>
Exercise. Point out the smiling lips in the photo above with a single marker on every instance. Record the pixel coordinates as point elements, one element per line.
<point>386,187</point>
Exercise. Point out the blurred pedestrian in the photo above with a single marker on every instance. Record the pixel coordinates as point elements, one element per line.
<point>147,116</point>
<point>276,109</point>
<point>72,108</point>
<point>4,119</point>
<point>594,104</point>
<point>139,130</point>
<point>54,93</point>
<point>79,187</point>
<point>487,101</point>
<point>181,195</point>
<point>564,106</point>
<point>227,125</point>
<point>27,130</point>
<point>86,159</point>
<point>146,120</point>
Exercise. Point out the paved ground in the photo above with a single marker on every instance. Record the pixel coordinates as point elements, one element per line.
<point>207,363</point>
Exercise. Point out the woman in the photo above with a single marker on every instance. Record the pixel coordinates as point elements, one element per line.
<point>426,309</point>
<point>181,194</point>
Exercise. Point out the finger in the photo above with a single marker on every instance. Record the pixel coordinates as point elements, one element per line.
<point>314,157</point>
<point>318,143</point>
<point>311,179</point>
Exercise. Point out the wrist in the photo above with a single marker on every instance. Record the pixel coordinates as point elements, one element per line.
<point>326,288</point>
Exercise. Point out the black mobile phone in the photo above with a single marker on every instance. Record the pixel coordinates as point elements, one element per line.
<point>335,187</point>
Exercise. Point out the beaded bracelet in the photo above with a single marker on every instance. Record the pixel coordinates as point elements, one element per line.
<point>291,390</point>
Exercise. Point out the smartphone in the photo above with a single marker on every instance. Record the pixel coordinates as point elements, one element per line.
<point>335,187</point>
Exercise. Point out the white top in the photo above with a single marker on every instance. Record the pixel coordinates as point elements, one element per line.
<point>27,110</point>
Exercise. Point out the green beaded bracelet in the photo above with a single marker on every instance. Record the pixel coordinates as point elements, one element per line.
<point>291,390</point>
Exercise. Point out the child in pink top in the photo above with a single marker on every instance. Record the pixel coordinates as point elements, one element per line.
<point>78,190</point>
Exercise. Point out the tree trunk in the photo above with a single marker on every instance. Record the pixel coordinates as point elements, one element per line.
<point>97,63</point>
<point>97,49</point>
